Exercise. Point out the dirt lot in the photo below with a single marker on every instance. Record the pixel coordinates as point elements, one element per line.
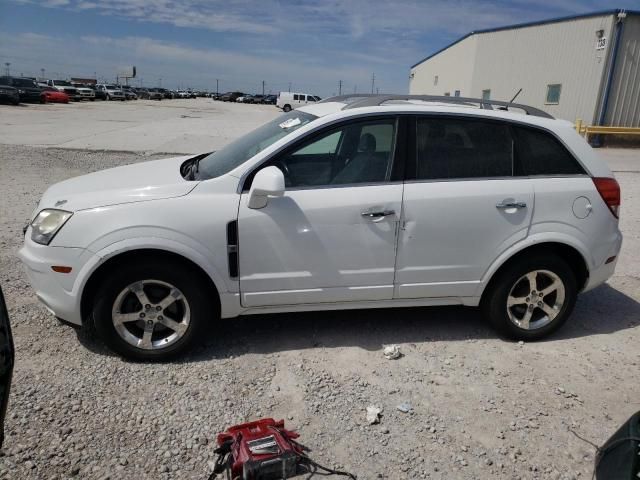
<point>482,407</point>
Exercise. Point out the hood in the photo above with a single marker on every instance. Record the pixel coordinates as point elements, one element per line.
<point>138,182</point>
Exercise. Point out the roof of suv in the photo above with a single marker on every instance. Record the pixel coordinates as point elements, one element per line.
<point>366,103</point>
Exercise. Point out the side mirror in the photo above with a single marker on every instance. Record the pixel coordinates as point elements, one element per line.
<point>268,182</point>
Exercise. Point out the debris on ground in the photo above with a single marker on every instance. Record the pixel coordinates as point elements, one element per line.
<point>405,407</point>
<point>391,352</point>
<point>373,414</point>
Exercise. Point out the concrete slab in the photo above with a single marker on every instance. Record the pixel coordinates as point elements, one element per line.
<point>172,126</point>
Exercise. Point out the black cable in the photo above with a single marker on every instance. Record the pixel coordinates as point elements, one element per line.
<point>602,451</point>
<point>329,471</point>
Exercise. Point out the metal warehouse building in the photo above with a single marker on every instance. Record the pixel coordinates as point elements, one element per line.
<point>584,67</point>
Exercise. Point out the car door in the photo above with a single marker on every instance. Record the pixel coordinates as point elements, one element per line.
<point>332,236</point>
<point>462,206</point>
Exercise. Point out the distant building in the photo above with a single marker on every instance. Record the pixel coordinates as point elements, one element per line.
<point>586,67</point>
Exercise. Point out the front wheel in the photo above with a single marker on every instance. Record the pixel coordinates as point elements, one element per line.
<point>531,298</point>
<point>152,310</point>
<point>287,108</point>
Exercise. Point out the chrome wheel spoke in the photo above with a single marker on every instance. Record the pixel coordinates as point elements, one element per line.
<point>524,321</point>
<point>177,327</point>
<point>551,288</point>
<point>173,296</point>
<point>145,342</point>
<point>120,318</point>
<point>138,290</point>
<point>511,301</point>
<point>549,310</point>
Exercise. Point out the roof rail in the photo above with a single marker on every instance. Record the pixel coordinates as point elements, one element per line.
<point>359,100</point>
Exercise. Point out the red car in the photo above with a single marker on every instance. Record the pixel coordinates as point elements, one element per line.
<point>52,95</point>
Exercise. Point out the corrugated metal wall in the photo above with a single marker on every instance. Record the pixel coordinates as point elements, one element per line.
<point>624,103</point>
<point>530,58</point>
<point>533,58</point>
<point>454,69</point>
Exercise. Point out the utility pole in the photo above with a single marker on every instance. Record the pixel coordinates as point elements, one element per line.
<point>289,85</point>
<point>340,87</point>
<point>263,88</point>
<point>373,81</point>
<point>42,74</point>
<point>217,91</point>
<point>8,64</point>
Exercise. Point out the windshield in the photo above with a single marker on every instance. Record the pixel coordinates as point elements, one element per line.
<point>62,83</point>
<point>110,87</point>
<point>242,149</point>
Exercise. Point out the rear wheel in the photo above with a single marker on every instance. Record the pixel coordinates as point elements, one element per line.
<point>152,310</point>
<point>531,298</point>
<point>287,108</point>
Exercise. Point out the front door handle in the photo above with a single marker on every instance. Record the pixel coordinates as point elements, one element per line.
<point>382,213</point>
<point>504,205</point>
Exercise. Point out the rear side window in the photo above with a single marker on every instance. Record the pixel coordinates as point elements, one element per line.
<point>450,148</point>
<point>295,96</point>
<point>540,153</point>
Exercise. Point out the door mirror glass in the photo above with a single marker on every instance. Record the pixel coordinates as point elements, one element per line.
<point>268,182</point>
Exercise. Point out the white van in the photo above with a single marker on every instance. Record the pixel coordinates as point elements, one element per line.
<point>287,101</point>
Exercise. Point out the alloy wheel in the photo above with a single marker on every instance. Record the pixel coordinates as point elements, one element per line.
<point>535,299</point>
<point>151,314</point>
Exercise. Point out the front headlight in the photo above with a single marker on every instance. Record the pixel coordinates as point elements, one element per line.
<point>47,223</point>
<point>20,91</point>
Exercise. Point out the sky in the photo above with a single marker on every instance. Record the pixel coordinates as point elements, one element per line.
<point>302,45</point>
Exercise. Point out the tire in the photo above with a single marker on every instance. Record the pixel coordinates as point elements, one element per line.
<point>108,98</point>
<point>286,108</point>
<point>531,317</point>
<point>189,308</point>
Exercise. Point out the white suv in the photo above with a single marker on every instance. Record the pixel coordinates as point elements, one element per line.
<point>354,202</point>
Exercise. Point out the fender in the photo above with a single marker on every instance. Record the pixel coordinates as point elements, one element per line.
<point>530,241</point>
<point>141,243</point>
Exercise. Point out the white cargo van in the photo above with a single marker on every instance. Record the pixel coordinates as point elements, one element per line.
<point>288,101</point>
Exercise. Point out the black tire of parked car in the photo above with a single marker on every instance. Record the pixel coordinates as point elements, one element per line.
<point>203,310</point>
<point>286,108</point>
<point>494,302</point>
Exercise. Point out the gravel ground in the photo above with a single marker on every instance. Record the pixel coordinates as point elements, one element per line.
<point>481,407</point>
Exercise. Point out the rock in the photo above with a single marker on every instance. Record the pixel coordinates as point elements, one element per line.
<point>404,407</point>
<point>391,352</point>
<point>373,414</point>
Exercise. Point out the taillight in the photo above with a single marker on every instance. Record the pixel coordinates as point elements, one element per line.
<point>609,190</point>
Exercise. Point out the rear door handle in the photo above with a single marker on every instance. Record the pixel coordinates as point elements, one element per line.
<point>511,205</point>
<point>383,213</point>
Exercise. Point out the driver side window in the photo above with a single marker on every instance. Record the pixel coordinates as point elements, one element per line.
<point>358,152</point>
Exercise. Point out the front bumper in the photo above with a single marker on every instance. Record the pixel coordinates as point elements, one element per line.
<point>9,97</point>
<point>59,292</point>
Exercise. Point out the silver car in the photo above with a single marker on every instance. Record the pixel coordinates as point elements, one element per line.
<point>112,92</point>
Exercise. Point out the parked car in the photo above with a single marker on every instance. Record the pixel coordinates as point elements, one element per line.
<point>155,94</point>
<point>288,101</point>
<point>254,99</point>
<point>52,95</point>
<point>230,96</point>
<point>111,91</point>
<point>169,94</point>
<point>99,94</point>
<point>9,94</point>
<point>269,100</point>
<point>28,89</point>
<point>241,98</point>
<point>513,213</point>
<point>7,359</point>
<point>129,92</point>
<point>85,92</point>
<point>64,86</point>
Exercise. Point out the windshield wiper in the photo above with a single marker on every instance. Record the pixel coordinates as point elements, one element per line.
<point>194,168</point>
